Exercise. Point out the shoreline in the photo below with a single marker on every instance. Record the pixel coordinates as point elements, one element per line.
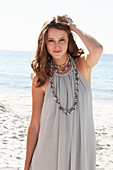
<point>15,113</point>
<point>28,93</point>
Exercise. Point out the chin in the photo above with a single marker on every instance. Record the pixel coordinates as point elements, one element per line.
<point>58,56</point>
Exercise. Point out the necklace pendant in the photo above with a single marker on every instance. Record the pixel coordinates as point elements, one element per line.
<point>55,98</point>
<point>67,113</point>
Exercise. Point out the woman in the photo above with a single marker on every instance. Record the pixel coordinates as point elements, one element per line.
<point>61,132</point>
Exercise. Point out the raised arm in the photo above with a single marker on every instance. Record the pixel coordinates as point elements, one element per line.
<point>94,47</point>
<point>33,130</point>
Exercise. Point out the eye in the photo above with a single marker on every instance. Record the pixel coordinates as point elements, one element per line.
<point>62,39</point>
<point>50,41</point>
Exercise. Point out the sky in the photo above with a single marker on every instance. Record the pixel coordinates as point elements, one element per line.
<point>21,21</point>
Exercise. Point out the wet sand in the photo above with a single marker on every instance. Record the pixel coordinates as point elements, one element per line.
<point>15,113</point>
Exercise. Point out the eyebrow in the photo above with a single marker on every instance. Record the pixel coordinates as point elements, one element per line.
<point>59,38</point>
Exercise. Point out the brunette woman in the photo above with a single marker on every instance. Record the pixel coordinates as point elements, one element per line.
<point>61,133</point>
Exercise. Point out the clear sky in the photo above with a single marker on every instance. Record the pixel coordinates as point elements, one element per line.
<point>21,20</point>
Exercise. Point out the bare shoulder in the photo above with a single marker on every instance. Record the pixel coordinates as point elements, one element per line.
<point>37,103</point>
<point>36,90</point>
<point>34,80</point>
<point>81,63</point>
<point>43,87</point>
<point>83,68</point>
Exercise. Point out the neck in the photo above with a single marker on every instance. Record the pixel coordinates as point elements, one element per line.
<point>60,61</point>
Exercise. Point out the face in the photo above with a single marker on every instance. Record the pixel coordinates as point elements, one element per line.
<point>57,43</point>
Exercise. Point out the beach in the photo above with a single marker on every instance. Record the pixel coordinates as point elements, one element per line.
<point>15,109</point>
<point>103,120</point>
<point>15,113</point>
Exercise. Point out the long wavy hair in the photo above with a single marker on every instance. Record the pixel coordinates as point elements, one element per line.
<point>40,64</point>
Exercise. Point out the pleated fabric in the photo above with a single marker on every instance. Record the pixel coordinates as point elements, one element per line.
<point>66,142</point>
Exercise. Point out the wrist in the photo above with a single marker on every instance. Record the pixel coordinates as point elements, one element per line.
<point>76,30</point>
<point>73,27</point>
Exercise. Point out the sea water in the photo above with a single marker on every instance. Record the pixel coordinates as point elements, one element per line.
<point>15,74</point>
<point>102,78</point>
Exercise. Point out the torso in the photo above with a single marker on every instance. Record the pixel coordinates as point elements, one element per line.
<point>81,68</point>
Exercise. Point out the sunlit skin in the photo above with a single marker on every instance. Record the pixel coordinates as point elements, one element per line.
<point>57,44</point>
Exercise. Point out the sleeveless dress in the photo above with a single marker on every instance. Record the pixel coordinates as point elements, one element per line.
<point>66,142</point>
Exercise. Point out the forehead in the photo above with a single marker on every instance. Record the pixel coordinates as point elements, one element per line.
<point>56,33</point>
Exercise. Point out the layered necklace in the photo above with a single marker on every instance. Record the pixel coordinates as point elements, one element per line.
<point>69,61</point>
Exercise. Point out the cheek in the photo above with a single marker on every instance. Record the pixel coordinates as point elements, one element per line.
<point>48,47</point>
<point>66,44</point>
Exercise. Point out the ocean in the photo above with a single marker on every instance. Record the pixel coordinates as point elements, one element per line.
<point>15,74</point>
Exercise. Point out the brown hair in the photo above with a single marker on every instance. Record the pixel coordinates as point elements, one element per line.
<point>40,63</point>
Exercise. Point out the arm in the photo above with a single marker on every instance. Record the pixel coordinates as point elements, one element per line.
<point>94,47</point>
<point>33,130</point>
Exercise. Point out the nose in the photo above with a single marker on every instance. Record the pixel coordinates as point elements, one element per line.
<point>57,45</point>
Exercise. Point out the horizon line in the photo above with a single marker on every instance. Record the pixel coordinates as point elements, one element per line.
<point>33,51</point>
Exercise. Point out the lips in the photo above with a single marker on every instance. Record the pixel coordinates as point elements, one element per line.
<point>57,51</point>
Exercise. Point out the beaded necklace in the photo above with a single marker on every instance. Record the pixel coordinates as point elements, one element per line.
<point>61,65</point>
<point>65,111</point>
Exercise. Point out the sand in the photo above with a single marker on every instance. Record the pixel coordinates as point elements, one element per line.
<point>103,119</point>
<point>15,113</point>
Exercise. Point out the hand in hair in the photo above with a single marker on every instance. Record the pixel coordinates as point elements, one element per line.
<point>70,22</point>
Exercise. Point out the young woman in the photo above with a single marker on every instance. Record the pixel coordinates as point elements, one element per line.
<point>61,133</point>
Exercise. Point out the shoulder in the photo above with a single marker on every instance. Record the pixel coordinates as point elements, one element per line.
<point>37,103</point>
<point>43,88</point>
<point>83,68</point>
<point>81,63</point>
<point>36,90</point>
<point>34,80</point>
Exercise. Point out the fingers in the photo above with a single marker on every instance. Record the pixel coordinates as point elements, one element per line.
<point>65,16</point>
<point>68,19</point>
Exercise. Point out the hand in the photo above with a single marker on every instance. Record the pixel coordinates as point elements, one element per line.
<point>70,22</point>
